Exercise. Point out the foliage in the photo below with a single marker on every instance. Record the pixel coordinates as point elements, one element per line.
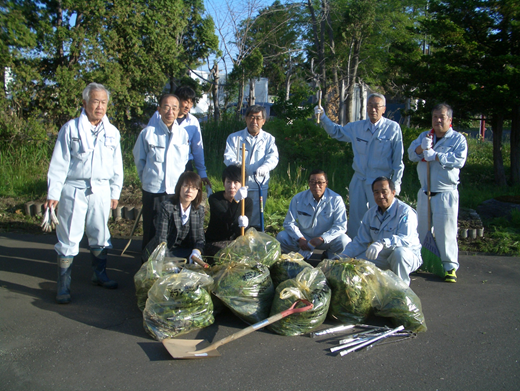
<point>132,47</point>
<point>296,107</point>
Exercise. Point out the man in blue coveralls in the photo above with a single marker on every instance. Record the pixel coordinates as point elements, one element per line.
<point>85,177</point>
<point>445,150</point>
<point>377,143</point>
<point>388,234</point>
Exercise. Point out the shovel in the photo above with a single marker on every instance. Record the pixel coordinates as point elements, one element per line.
<point>430,252</point>
<point>187,348</point>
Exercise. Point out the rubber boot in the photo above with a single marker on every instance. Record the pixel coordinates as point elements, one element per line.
<point>64,272</point>
<point>99,264</point>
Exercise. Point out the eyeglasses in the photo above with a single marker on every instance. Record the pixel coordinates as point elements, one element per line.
<point>258,119</point>
<point>319,183</point>
<point>377,107</point>
<point>168,108</point>
<point>190,188</point>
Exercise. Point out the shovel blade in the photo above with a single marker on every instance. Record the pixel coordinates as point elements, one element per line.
<point>431,257</point>
<point>187,348</point>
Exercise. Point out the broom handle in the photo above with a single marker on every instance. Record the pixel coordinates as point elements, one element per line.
<point>243,202</point>
<point>429,196</point>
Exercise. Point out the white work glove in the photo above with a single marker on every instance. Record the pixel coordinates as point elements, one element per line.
<point>241,194</point>
<point>243,221</point>
<point>262,171</point>
<point>397,188</point>
<point>426,143</point>
<point>195,253</point>
<point>429,155</point>
<point>373,250</point>
<point>318,110</point>
<point>305,254</point>
<point>50,221</point>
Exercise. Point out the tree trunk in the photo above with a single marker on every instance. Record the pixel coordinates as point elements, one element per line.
<point>515,146</point>
<point>498,162</point>
<point>252,93</point>
<point>341,97</point>
<point>240,96</point>
<point>214,89</point>
<point>352,80</point>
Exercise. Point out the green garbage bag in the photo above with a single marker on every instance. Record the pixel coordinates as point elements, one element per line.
<point>253,247</point>
<point>178,304</point>
<point>245,289</point>
<point>310,284</point>
<point>286,267</point>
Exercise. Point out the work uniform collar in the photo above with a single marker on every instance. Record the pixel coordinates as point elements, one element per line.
<point>310,200</point>
<point>382,216</point>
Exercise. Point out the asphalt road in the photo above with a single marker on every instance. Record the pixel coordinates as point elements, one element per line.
<point>98,342</point>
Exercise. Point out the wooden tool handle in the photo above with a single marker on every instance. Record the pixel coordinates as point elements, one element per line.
<point>259,325</point>
<point>243,202</point>
<point>319,104</point>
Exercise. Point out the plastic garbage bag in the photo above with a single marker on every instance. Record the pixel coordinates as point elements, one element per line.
<point>310,284</point>
<point>353,283</point>
<point>158,265</point>
<point>245,289</point>
<point>286,267</point>
<point>253,247</point>
<point>178,304</point>
<point>396,300</point>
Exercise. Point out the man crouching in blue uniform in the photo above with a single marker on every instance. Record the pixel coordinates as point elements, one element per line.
<point>388,234</point>
<point>85,177</point>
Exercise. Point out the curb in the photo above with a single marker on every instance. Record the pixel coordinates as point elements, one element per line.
<point>127,212</point>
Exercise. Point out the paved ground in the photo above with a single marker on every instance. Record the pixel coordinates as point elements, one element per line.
<point>98,341</point>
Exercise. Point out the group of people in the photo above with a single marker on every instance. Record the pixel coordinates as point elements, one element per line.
<point>86,175</point>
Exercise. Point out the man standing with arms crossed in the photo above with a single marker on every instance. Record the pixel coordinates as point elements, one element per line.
<point>160,154</point>
<point>85,177</point>
<point>445,150</point>
<point>378,151</point>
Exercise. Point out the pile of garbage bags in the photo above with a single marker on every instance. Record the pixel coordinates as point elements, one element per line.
<point>254,280</point>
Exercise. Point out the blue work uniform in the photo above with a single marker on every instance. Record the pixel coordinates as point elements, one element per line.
<point>85,174</point>
<point>396,228</point>
<point>160,155</point>
<point>452,150</point>
<point>378,151</point>
<point>192,127</point>
<point>308,218</point>
<point>261,150</point>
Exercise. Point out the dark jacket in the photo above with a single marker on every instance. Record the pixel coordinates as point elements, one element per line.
<point>169,223</point>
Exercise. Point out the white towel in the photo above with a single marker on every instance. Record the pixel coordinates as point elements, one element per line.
<point>85,132</point>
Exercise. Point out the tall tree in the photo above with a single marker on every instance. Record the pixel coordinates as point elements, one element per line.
<point>472,63</point>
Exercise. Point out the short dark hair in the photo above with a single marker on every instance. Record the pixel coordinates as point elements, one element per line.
<point>446,106</point>
<point>391,183</point>
<point>193,179</point>
<point>233,173</point>
<point>185,93</point>
<point>164,96</point>
<point>316,172</point>
<point>256,109</point>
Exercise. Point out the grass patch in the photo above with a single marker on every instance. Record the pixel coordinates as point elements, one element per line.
<point>303,146</point>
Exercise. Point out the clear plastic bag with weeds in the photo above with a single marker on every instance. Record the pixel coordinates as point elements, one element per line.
<point>310,284</point>
<point>157,266</point>
<point>245,289</point>
<point>286,267</point>
<point>396,300</point>
<point>177,304</point>
<point>354,284</point>
<point>253,247</point>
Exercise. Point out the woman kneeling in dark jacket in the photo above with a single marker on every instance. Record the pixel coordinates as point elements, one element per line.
<point>180,221</point>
